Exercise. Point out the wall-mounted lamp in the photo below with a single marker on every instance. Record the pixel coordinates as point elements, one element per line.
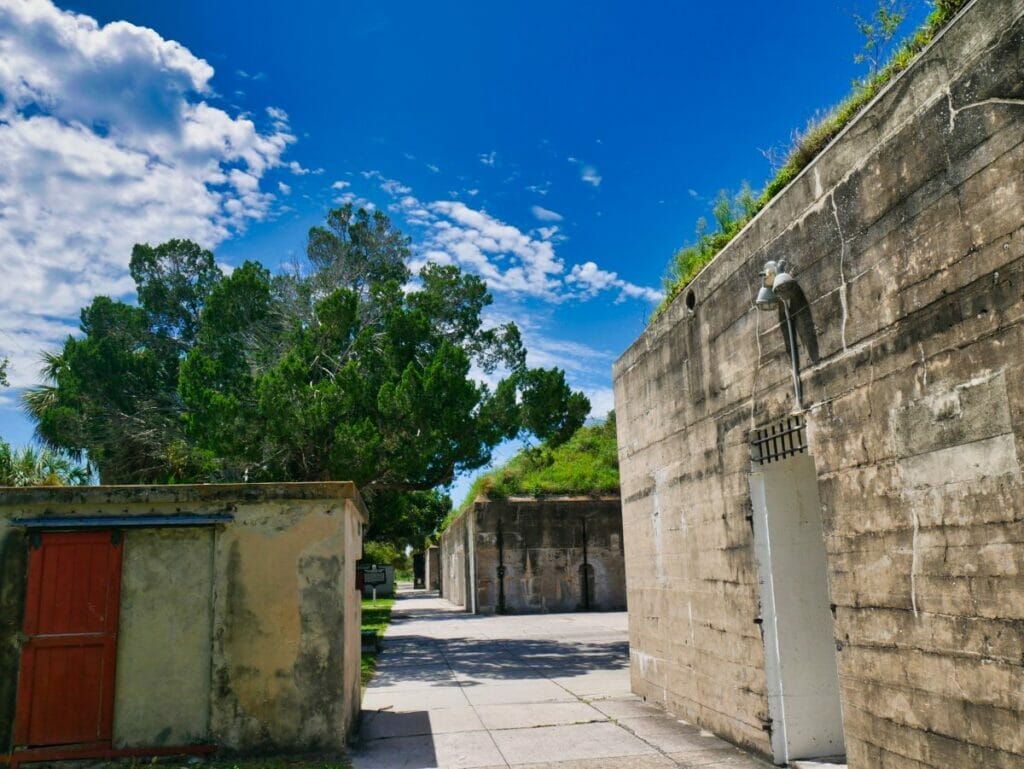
<point>777,285</point>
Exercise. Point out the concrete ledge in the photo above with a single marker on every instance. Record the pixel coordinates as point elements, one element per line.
<point>134,500</point>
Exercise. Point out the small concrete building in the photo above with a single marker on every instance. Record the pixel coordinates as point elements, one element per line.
<point>525,555</point>
<point>824,503</point>
<point>146,620</point>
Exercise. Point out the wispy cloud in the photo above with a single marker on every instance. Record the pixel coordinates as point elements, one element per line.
<point>590,175</point>
<point>279,116</point>
<point>390,186</point>
<point>581,357</point>
<point>434,169</point>
<point>602,400</point>
<point>545,214</point>
<point>489,158</point>
<point>299,170</point>
<point>340,185</point>
<point>74,198</point>
<point>356,201</point>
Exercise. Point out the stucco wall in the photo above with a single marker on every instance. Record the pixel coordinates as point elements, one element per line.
<point>162,689</point>
<point>280,629</point>
<point>244,633</point>
<point>906,238</point>
<point>543,544</point>
<point>13,569</point>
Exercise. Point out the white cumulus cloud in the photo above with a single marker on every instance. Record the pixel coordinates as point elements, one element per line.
<point>592,280</point>
<point>513,262</point>
<point>107,139</point>
<point>507,258</point>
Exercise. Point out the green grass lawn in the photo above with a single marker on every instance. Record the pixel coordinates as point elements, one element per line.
<point>375,618</point>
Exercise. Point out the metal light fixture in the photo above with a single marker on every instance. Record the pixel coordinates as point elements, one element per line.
<point>778,285</point>
<point>766,299</point>
<point>785,286</point>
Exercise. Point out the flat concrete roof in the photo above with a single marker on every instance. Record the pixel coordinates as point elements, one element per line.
<point>115,498</point>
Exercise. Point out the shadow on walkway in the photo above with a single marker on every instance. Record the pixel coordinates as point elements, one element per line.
<point>533,691</point>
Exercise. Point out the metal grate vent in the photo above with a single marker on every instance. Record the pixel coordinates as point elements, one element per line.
<point>775,442</point>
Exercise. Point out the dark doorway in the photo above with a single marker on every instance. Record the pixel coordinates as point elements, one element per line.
<point>587,585</point>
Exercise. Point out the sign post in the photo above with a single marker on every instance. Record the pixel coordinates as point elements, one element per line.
<point>373,577</point>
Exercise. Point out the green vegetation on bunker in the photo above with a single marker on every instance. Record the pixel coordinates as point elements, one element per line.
<point>585,465</point>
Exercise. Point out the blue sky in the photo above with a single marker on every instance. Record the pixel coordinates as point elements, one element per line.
<point>563,151</point>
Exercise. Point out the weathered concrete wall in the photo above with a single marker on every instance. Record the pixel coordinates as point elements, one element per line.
<point>543,546</point>
<point>244,633</point>
<point>432,560</point>
<point>13,574</point>
<point>162,691</point>
<point>906,238</point>
<point>279,669</point>
<point>455,561</point>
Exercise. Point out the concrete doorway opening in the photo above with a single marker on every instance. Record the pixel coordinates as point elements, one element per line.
<point>797,622</point>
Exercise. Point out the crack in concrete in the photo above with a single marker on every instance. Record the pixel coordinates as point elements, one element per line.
<point>842,271</point>
<point>757,366</point>
<point>914,561</point>
<point>954,111</point>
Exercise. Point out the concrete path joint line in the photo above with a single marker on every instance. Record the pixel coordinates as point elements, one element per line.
<point>457,691</point>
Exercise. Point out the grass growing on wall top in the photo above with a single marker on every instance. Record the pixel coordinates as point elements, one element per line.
<point>731,215</point>
<point>586,464</point>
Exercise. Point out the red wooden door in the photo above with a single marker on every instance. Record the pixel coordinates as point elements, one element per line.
<point>66,684</point>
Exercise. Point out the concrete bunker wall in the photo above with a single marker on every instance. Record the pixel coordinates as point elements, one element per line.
<point>906,239</point>
<point>243,633</point>
<point>541,555</point>
<point>454,561</point>
<point>432,568</point>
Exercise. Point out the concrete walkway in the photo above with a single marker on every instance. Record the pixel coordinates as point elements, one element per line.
<point>537,691</point>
